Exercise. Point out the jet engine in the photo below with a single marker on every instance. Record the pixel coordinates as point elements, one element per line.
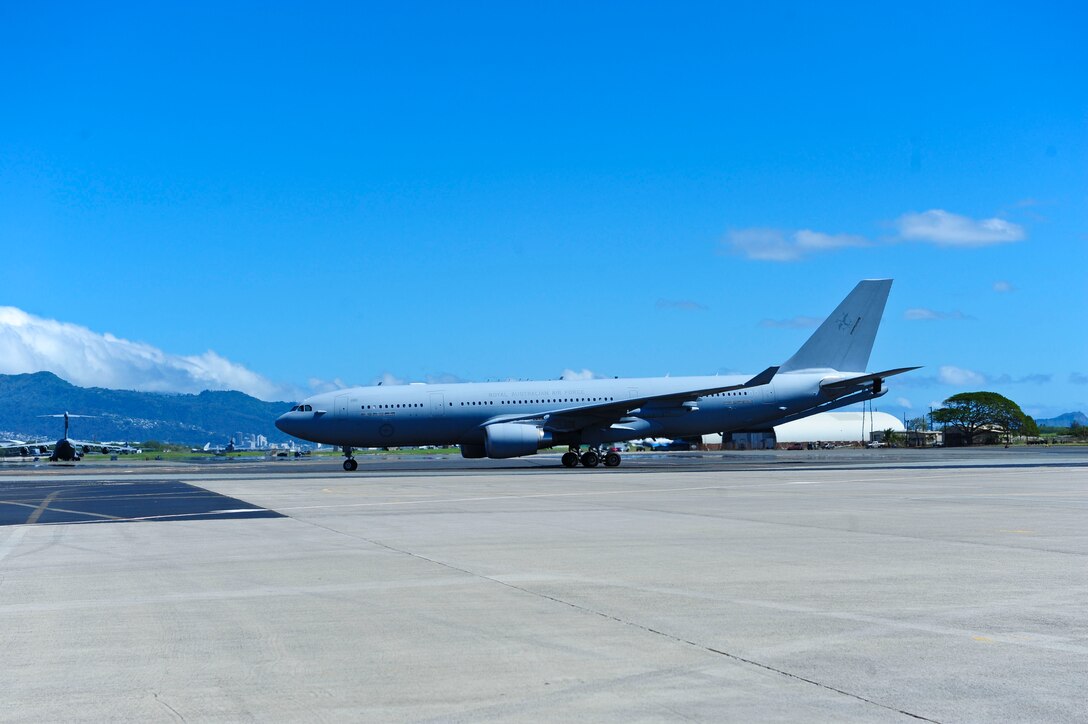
<point>472,450</point>
<point>512,439</point>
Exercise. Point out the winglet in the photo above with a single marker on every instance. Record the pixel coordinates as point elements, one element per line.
<point>762,378</point>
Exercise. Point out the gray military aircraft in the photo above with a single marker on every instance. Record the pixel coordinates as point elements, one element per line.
<point>512,419</point>
<point>66,449</point>
<point>23,449</point>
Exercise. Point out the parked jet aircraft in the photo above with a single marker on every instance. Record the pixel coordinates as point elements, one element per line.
<point>111,447</point>
<point>512,419</point>
<point>65,449</point>
<point>217,450</point>
<point>21,448</point>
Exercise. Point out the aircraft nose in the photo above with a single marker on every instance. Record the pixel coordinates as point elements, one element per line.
<point>284,423</point>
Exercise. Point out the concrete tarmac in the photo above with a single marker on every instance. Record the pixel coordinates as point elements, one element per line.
<point>835,586</point>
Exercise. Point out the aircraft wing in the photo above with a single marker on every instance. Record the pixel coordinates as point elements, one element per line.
<point>566,419</point>
<point>10,448</point>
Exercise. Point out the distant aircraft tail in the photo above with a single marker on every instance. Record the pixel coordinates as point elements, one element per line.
<point>845,339</point>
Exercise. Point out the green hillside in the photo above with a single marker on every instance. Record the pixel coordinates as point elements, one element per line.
<point>129,415</point>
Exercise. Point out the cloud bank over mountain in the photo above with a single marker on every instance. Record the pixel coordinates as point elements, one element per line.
<point>91,359</point>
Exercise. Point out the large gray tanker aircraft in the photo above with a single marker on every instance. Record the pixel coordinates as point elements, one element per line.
<point>511,419</point>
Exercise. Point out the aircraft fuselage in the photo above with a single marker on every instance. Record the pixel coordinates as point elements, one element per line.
<point>511,419</point>
<point>401,415</point>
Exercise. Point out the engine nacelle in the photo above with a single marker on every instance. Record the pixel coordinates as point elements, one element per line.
<point>472,450</point>
<point>512,439</point>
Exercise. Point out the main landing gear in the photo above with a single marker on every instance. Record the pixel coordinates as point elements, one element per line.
<point>590,458</point>
<point>350,464</point>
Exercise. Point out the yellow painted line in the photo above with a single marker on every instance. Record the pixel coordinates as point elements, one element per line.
<point>1020,531</point>
<point>41,508</point>
<point>983,639</point>
<point>59,510</point>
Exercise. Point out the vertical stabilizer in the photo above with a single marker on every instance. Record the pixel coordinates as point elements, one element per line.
<point>845,339</point>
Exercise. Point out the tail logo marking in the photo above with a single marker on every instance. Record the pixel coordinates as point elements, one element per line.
<point>845,323</point>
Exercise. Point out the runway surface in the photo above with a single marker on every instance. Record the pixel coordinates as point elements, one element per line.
<point>822,586</point>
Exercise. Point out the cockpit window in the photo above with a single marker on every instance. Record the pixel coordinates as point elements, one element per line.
<point>293,409</point>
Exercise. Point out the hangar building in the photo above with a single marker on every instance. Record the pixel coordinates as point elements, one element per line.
<point>833,427</point>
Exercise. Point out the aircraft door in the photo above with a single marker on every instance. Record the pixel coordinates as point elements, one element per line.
<point>438,404</point>
<point>768,394</point>
<point>341,405</point>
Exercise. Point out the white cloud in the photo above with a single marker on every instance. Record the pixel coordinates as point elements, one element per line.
<point>761,244</point>
<point>685,305</point>
<point>799,322</point>
<point>775,245</point>
<point>807,239</point>
<point>443,378</point>
<point>584,374</point>
<point>1033,379</point>
<point>1003,287</point>
<point>904,402</point>
<point>319,385</point>
<point>921,313</point>
<point>950,375</point>
<point>387,379</point>
<point>947,229</point>
<point>90,359</point>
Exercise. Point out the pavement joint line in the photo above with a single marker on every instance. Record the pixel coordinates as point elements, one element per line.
<point>626,622</point>
<point>12,541</point>
<point>156,517</point>
<point>897,536</point>
<point>585,493</point>
<point>513,497</point>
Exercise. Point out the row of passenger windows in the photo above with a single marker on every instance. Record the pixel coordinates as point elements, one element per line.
<point>477,403</point>
<point>307,408</point>
<point>538,402</point>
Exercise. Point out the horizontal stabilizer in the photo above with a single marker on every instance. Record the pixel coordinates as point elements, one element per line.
<point>838,386</point>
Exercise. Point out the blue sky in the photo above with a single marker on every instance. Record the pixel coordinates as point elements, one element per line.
<point>281,197</point>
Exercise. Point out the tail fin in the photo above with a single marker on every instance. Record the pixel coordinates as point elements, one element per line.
<point>845,339</point>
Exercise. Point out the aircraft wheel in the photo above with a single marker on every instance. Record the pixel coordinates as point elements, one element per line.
<point>590,459</point>
<point>350,464</point>
<point>570,459</point>
<point>612,460</point>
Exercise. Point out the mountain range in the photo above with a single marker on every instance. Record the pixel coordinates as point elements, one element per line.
<point>128,415</point>
<point>1065,420</point>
